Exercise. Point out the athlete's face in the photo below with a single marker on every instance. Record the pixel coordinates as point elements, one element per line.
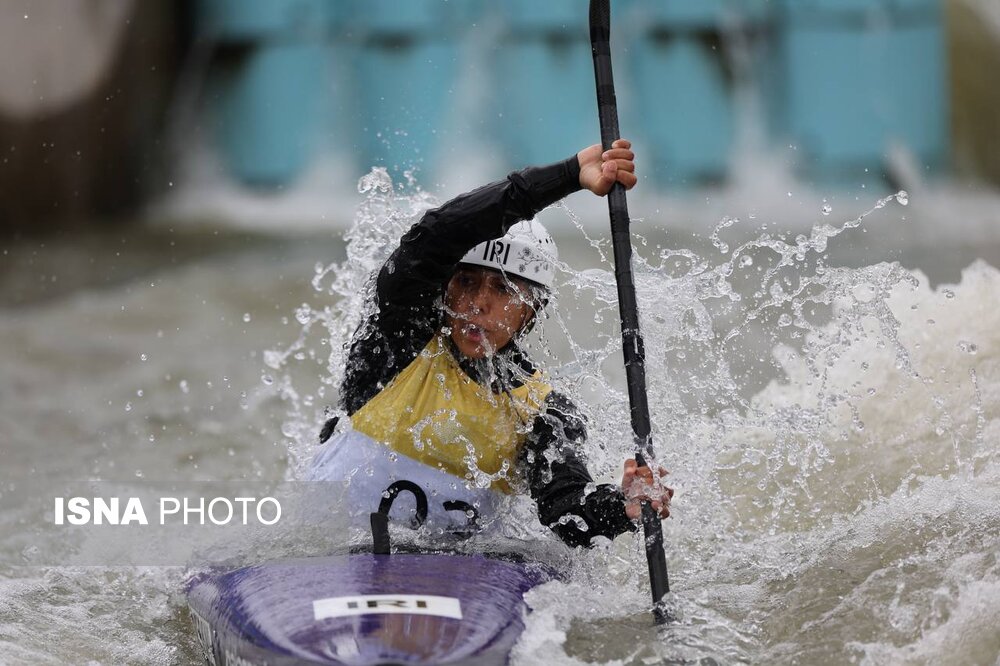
<point>485,309</point>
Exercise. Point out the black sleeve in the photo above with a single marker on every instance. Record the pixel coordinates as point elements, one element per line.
<point>414,276</point>
<point>559,481</point>
<point>427,254</point>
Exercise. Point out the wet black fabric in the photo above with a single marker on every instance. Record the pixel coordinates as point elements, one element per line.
<point>407,314</point>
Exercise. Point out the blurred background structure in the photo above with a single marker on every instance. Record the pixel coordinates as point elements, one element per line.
<point>100,101</point>
<point>85,90</point>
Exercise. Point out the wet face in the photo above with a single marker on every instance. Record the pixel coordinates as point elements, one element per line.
<point>485,309</point>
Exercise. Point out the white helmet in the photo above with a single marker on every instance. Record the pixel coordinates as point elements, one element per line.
<point>526,250</point>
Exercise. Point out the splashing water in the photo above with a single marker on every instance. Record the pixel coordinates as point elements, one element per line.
<point>831,434</point>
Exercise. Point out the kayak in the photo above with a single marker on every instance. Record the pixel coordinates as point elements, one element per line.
<point>364,609</point>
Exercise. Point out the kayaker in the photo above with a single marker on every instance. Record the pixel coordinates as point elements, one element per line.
<point>440,394</point>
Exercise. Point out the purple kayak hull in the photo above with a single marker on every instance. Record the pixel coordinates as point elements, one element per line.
<point>364,609</point>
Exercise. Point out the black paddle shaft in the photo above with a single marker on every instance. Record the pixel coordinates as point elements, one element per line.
<point>632,345</point>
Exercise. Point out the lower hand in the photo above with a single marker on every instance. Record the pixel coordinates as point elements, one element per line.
<point>639,484</point>
<point>600,169</point>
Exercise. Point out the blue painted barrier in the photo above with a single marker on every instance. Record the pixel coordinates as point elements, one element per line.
<point>270,111</point>
<point>531,16</point>
<point>270,98</point>
<point>406,93</point>
<point>847,78</point>
<point>855,76</point>
<point>683,84</point>
<point>684,108</point>
<point>544,106</point>
<point>406,71</point>
<point>702,14</point>
<point>251,20</point>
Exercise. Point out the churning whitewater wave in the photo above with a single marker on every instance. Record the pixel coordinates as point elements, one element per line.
<point>831,433</point>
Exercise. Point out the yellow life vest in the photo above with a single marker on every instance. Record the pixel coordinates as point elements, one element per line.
<point>436,414</point>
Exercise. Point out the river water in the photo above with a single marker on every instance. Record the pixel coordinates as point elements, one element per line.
<point>826,396</point>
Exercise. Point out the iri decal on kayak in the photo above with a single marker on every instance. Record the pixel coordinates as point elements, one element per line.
<point>379,604</point>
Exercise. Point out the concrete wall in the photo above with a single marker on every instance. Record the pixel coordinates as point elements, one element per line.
<point>84,86</point>
<point>974,52</point>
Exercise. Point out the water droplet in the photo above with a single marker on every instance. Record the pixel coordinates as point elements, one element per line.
<point>948,293</point>
<point>785,320</point>
<point>143,357</point>
<point>138,473</point>
<point>246,317</point>
<point>128,406</point>
<point>184,386</point>
<point>267,379</point>
<point>139,393</point>
<point>968,347</point>
<point>827,209</point>
<point>903,197</point>
<point>272,359</point>
<point>377,180</point>
<point>746,260</point>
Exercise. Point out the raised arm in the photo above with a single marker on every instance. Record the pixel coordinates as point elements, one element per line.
<point>427,254</point>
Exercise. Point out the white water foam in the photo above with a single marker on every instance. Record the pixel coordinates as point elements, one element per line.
<point>834,514</point>
<point>798,536</point>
